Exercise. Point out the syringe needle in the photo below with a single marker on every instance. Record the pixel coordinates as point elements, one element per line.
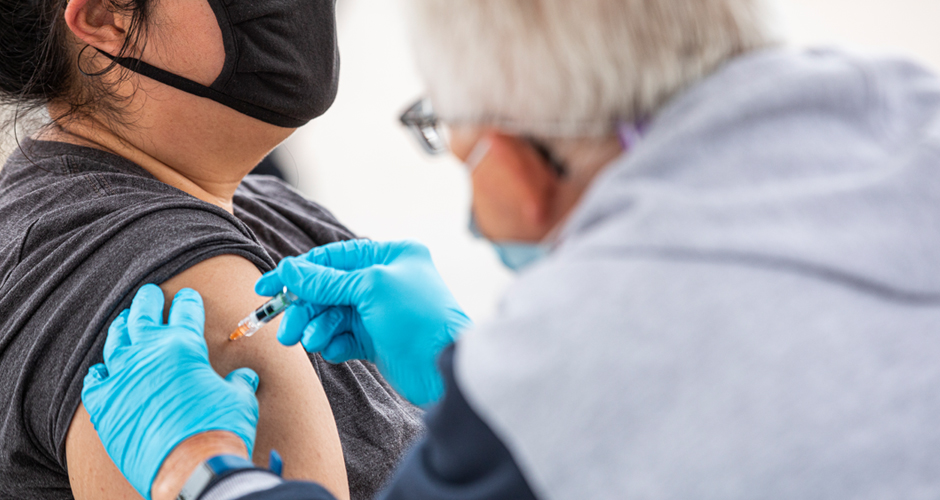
<point>238,333</point>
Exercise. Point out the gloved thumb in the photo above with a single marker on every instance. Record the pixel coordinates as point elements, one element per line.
<point>269,284</point>
<point>245,377</point>
<point>97,375</point>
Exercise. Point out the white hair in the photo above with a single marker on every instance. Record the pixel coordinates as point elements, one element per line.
<point>574,68</point>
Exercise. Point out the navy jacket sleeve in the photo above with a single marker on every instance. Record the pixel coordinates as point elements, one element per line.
<point>292,491</point>
<point>459,459</point>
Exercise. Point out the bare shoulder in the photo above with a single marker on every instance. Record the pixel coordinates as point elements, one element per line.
<point>295,415</point>
<point>226,284</point>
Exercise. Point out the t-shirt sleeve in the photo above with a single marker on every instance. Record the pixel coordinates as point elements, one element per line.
<point>74,278</point>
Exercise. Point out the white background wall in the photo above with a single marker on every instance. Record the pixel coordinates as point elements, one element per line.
<point>358,162</point>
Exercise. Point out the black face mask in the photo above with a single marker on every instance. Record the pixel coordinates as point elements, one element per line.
<point>281,60</point>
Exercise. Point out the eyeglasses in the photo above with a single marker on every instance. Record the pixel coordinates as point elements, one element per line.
<point>426,128</point>
<point>425,125</point>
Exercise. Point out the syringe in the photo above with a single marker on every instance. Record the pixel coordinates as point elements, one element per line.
<point>264,314</point>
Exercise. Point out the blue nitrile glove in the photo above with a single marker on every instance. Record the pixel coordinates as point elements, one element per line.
<point>380,302</point>
<point>156,388</point>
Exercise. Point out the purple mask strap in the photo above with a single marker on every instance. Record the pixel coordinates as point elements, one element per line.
<point>630,133</point>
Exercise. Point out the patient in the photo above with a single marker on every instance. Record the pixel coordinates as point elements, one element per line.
<point>142,179</point>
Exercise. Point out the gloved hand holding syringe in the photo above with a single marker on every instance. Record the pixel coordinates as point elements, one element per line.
<point>379,302</point>
<point>264,314</point>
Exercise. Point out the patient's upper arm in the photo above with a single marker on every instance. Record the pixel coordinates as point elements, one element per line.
<point>295,416</point>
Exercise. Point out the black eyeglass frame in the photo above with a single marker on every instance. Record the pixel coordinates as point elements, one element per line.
<point>426,127</point>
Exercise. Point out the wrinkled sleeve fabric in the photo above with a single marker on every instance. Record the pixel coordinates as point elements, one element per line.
<point>74,313</point>
<point>80,231</point>
<point>78,269</point>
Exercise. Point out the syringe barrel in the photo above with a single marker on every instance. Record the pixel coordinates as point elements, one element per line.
<point>264,314</point>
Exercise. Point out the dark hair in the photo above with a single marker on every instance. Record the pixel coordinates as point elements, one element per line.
<point>38,64</point>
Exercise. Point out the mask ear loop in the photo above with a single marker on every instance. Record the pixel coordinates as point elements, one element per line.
<point>478,154</point>
<point>78,63</point>
<point>630,134</point>
<point>197,89</point>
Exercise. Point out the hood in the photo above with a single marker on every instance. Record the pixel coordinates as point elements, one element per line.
<point>815,161</point>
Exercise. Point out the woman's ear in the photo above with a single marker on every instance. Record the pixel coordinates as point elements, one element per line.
<point>514,191</point>
<point>95,23</point>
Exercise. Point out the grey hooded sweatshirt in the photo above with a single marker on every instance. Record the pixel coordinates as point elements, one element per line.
<point>747,305</point>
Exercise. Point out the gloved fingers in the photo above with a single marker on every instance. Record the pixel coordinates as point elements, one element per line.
<point>336,257</point>
<point>248,380</point>
<point>96,375</point>
<point>188,312</point>
<point>345,255</point>
<point>245,378</point>
<point>410,248</point>
<point>291,329</point>
<point>359,254</point>
<point>320,332</point>
<point>341,349</point>
<point>318,285</point>
<point>273,282</point>
<point>118,336</point>
<point>249,434</point>
<point>146,313</point>
<point>269,284</point>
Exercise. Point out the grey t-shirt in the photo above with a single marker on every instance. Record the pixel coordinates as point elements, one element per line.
<point>81,230</point>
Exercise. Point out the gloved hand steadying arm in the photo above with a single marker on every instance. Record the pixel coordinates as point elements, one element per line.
<point>156,388</point>
<point>380,302</point>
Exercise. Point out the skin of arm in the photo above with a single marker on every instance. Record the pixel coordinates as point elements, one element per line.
<point>181,462</point>
<point>295,416</point>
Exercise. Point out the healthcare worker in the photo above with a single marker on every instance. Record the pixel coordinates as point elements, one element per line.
<point>732,291</point>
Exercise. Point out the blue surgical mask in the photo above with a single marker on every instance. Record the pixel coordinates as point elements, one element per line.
<point>515,256</point>
<point>518,256</point>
